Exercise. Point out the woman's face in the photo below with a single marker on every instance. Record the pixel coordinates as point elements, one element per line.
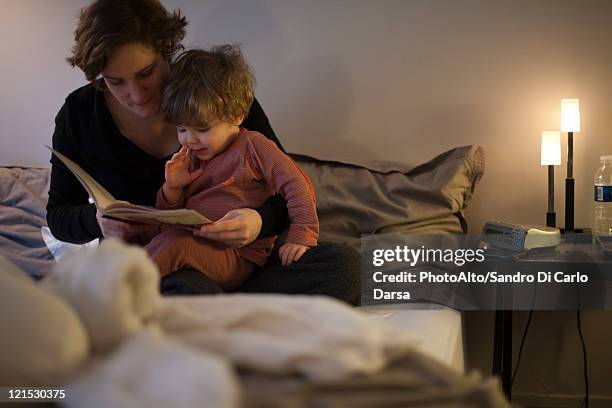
<point>134,75</point>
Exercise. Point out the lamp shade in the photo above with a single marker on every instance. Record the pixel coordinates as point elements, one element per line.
<point>551,148</point>
<point>570,115</point>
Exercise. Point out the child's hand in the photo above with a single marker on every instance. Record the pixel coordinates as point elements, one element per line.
<point>177,170</point>
<point>288,253</point>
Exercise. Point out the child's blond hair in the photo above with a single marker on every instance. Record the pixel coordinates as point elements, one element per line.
<point>208,85</point>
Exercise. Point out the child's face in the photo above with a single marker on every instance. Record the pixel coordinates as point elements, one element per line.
<point>206,143</point>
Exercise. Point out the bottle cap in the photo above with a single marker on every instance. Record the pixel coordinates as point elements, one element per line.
<point>606,159</point>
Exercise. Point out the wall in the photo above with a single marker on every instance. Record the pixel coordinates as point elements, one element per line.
<point>399,80</point>
<point>35,39</point>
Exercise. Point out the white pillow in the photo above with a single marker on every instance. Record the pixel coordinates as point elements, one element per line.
<point>60,248</point>
<point>43,342</point>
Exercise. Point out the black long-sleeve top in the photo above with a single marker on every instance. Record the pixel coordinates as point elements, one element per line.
<point>86,132</point>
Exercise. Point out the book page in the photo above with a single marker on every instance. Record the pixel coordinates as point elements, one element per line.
<point>102,198</point>
<point>180,217</point>
<point>125,211</point>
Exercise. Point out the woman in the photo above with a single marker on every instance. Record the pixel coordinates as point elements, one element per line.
<point>114,130</point>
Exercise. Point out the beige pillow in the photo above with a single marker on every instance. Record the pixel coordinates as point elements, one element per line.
<point>43,340</point>
<point>355,198</point>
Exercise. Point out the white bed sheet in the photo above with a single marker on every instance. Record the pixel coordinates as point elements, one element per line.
<point>440,330</point>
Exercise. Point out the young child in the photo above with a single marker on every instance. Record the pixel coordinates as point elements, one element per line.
<point>221,167</point>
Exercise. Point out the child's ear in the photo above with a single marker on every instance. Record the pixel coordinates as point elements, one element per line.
<point>239,120</point>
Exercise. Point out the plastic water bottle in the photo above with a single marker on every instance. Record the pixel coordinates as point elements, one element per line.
<point>602,220</point>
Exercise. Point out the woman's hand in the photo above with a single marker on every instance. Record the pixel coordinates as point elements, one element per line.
<point>133,233</point>
<point>289,253</point>
<point>237,228</point>
<point>177,170</point>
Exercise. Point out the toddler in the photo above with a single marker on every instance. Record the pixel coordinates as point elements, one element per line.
<point>221,167</point>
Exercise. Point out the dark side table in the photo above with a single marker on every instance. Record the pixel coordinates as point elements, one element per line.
<point>571,256</point>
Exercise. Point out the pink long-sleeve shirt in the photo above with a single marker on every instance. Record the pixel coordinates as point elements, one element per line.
<point>248,172</point>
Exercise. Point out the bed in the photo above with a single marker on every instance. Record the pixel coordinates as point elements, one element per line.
<point>23,197</point>
<point>352,199</point>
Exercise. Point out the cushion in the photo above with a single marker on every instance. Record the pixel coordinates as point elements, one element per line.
<point>43,341</point>
<point>61,248</point>
<point>374,197</point>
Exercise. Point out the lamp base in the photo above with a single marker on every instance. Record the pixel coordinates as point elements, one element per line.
<point>551,219</point>
<point>569,204</point>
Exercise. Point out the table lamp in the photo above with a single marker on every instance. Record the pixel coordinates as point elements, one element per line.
<point>570,123</point>
<point>551,157</point>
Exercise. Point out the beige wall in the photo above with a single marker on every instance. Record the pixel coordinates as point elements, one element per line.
<point>405,80</point>
<point>401,80</point>
<point>35,39</point>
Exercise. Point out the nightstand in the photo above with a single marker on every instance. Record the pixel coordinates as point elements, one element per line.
<point>577,261</point>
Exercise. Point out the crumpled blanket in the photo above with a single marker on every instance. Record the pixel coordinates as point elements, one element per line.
<point>23,198</point>
<point>149,370</point>
<point>315,337</point>
<point>182,351</point>
<point>114,290</point>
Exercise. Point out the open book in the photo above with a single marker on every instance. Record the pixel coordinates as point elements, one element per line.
<point>109,207</point>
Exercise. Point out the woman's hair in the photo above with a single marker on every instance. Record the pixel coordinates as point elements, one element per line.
<point>106,24</point>
<point>208,85</point>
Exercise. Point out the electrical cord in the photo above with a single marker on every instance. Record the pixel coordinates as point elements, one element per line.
<point>520,352</point>
<point>585,402</point>
<point>584,361</point>
<point>584,356</point>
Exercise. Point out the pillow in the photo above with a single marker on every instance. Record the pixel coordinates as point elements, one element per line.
<point>60,248</point>
<point>43,341</point>
<point>377,197</point>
